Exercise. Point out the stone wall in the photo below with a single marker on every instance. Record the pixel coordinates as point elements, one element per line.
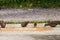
<point>29,14</point>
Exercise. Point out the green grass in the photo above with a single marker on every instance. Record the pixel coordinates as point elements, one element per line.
<point>29,3</point>
<point>29,22</point>
<point>13,22</point>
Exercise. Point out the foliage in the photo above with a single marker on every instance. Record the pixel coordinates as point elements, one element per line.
<point>29,3</point>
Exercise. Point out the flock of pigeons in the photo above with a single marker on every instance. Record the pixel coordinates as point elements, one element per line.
<point>25,23</point>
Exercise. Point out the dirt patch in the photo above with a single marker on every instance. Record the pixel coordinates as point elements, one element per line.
<point>37,29</point>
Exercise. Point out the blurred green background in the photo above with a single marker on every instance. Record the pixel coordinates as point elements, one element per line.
<point>29,3</point>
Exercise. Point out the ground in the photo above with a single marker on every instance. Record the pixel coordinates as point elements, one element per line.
<point>50,34</point>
